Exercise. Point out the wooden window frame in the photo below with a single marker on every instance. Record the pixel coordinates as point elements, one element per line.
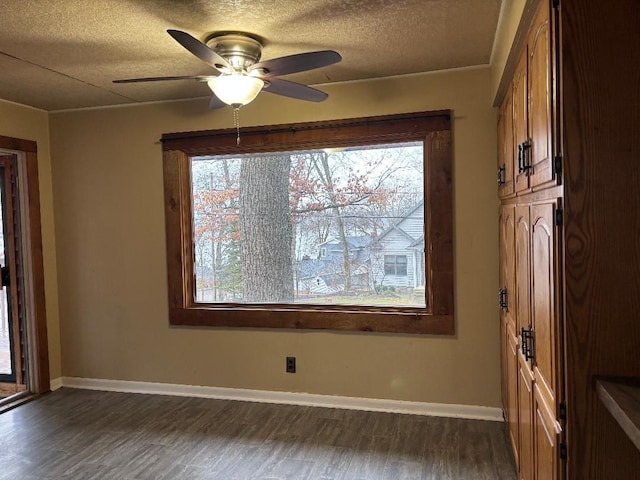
<point>432,128</point>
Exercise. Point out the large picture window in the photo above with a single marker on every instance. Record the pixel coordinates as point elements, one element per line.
<point>334,225</point>
<point>312,226</point>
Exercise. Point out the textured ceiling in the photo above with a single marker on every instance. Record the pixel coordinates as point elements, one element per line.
<point>62,54</point>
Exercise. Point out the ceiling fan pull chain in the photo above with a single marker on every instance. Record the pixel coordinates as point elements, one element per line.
<point>236,123</point>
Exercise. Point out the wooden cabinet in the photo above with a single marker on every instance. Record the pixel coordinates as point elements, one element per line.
<point>509,338</point>
<point>538,149</point>
<point>538,328</point>
<point>529,251</point>
<point>567,106</point>
<point>530,97</point>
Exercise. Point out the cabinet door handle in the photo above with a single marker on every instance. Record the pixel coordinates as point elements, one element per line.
<point>520,170</point>
<point>526,157</point>
<point>527,343</point>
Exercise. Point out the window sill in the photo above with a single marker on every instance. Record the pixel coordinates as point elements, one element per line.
<point>411,321</point>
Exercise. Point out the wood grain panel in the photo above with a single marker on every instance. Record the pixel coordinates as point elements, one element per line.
<point>344,132</point>
<point>504,377</point>
<point>508,261</point>
<point>506,151</point>
<point>621,396</point>
<point>520,119</point>
<point>513,392</point>
<point>525,420</point>
<point>523,261</point>
<point>540,155</point>
<point>543,300</point>
<point>18,144</point>
<point>600,78</point>
<point>547,433</point>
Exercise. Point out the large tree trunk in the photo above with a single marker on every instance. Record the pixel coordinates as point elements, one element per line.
<point>265,229</point>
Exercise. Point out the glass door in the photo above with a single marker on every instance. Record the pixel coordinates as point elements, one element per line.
<point>12,371</point>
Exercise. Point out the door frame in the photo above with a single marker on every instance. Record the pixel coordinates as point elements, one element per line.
<point>36,320</point>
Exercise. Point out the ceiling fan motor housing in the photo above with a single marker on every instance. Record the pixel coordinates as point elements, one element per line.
<point>239,49</point>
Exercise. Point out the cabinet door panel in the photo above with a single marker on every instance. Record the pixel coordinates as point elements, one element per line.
<point>546,432</point>
<point>525,417</point>
<point>511,361</point>
<point>522,268</point>
<point>540,153</point>
<point>543,300</point>
<point>504,377</point>
<point>520,120</point>
<point>505,146</point>
<point>508,261</point>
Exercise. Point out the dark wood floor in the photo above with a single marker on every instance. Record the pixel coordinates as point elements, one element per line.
<point>82,434</point>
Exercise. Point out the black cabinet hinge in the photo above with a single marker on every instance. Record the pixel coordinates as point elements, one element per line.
<point>557,164</point>
<point>563,451</point>
<point>562,411</point>
<point>556,4</point>
<point>559,220</point>
<point>502,298</point>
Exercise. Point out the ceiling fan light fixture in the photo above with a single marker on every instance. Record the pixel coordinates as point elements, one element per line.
<point>236,89</point>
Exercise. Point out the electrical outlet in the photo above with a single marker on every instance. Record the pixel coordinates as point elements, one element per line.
<point>291,364</point>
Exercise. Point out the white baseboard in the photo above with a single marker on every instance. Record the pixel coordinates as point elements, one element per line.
<point>289,398</point>
<point>55,384</point>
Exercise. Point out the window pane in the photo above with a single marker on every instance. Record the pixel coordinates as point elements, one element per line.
<point>339,226</point>
<point>401,265</point>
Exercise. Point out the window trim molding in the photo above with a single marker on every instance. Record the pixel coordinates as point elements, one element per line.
<point>433,128</point>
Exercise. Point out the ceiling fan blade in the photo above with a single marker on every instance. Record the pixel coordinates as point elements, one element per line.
<point>294,90</point>
<point>199,49</point>
<point>215,102</point>
<point>296,63</point>
<point>202,78</point>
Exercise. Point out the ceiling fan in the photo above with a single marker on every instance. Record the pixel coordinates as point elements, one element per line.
<point>240,75</point>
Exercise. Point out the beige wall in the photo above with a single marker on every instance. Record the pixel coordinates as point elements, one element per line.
<point>30,124</point>
<point>510,14</point>
<point>107,176</point>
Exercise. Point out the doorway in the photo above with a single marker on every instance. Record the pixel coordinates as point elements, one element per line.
<point>13,368</point>
<point>24,361</point>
